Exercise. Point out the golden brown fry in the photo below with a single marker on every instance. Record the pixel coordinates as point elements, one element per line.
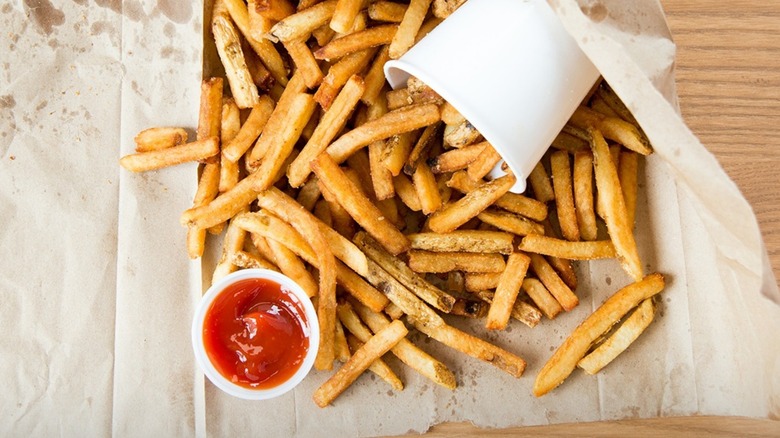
<point>378,367</point>
<point>564,195</point>
<point>340,344</point>
<point>381,177</point>
<point>388,11</point>
<point>410,25</point>
<point>473,346</point>
<point>293,267</point>
<point>371,37</point>
<point>396,151</point>
<point>462,134</point>
<point>406,276</point>
<point>484,163</point>
<point>303,22</point>
<point>473,203</point>
<point>443,8</point>
<point>612,128</point>
<point>304,61</point>
<point>331,123</point>
<point>232,55</point>
<point>259,25</point>
<point>522,311</point>
<point>553,282</point>
<point>436,262</point>
<point>153,139</point>
<point>583,195</point>
<point>222,208</point>
<point>562,266</point>
<point>275,9</point>
<point>208,187</point>
<point>399,98</point>
<point>481,281</point>
<point>359,207</point>
<point>475,309</point>
<point>157,159</point>
<point>597,249</point>
<point>427,189</point>
<point>392,123</point>
<point>406,192</point>
<point>456,159</point>
<point>344,15</point>
<point>565,358</point>
<point>375,77</point>
<point>233,242</point>
<point>506,292</point>
<point>421,149</point>
<point>339,73</point>
<point>628,174</point>
<point>243,259</point>
<point>620,339</point>
<point>542,297</point>
<point>250,130</point>
<point>540,184</point>
<point>509,201</point>
<point>463,241</point>
<point>450,115</point>
<point>378,345</point>
<point>309,194</point>
<point>570,143</point>
<point>608,185</point>
<point>510,222</point>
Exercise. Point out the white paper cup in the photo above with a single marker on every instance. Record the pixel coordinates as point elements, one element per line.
<point>510,68</point>
<point>208,367</point>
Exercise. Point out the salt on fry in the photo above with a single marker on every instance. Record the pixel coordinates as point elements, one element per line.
<point>157,159</point>
<point>436,262</point>
<point>473,203</point>
<point>540,184</point>
<point>228,45</point>
<point>564,195</point>
<point>506,292</point>
<point>408,28</point>
<point>387,11</point>
<point>553,282</point>
<point>596,249</point>
<point>303,22</point>
<point>153,139</point>
<point>583,195</point>
<point>542,297</point>
<point>371,37</point>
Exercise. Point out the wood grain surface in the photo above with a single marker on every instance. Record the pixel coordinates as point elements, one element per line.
<point>728,79</point>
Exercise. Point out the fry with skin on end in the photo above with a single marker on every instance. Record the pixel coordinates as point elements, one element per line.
<point>388,11</point>
<point>521,310</point>
<point>608,185</point>
<point>396,151</point>
<point>564,195</point>
<point>153,139</point>
<point>359,207</point>
<point>376,347</point>
<point>229,48</point>
<point>612,128</point>
<point>566,357</point>
<point>473,203</point>
<point>550,246</point>
<point>553,282</point>
<point>583,195</point>
<point>506,292</point>
<point>395,122</point>
<point>371,37</point>
<point>620,339</point>
<point>304,61</point>
<point>158,159</point>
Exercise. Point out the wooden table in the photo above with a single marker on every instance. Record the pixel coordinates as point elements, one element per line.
<point>728,76</point>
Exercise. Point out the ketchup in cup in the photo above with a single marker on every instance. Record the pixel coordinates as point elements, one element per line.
<point>255,334</point>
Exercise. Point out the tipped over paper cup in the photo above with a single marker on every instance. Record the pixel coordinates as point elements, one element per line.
<point>510,68</point>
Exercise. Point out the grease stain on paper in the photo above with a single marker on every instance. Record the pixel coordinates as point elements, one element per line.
<point>176,10</point>
<point>114,5</point>
<point>45,15</point>
<point>595,10</point>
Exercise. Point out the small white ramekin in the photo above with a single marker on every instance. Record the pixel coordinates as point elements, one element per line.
<point>208,367</point>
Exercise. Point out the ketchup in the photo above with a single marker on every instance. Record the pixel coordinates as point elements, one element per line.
<point>256,333</point>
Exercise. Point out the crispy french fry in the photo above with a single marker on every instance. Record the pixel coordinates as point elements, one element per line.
<point>460,135</point>
<point>620,339</point>
<point>481,281</point>
<point>569,142</point>
<point>562,266</point>
<point>450,115</point>
<point>410,25</point>
<point>392,123</point>
<point>399,98</point>
<point>378,367</point>
<point>157,159</point>
<point>250,130</point>
<point>597,249</point>
<point>293,267</point>
<point>506,292</point>
<point>378,345</point>
<point>229,48</point>
<point>243,259</point>
<point>553,282</point>
<point>463,241</point>
<point>484,163</point>
<point>371,37</point>
<point>472,204</point>
<point>304,61</point>
<point>436,262</point>
<point>608,185</point>
<point>303,22</point>
<point>427,189</point>
<point>222,208</point>
<point>628,174</point>
<point>339,73</point>
<point>421,149</point>
<point>275,9</point>
<point>375,77</point>
<point>154,139</point>
<point>456,159</point>
<point>358,206</point>
<point>344,15</point>
<point>234,242</point>
<point>510,222</point>
<point>388,11</point>
<point>473,346</point>
<point>583,195</point>
<point>396,151</point>
<point>259,25</point>
<point>565,358</point>
<point>340,344</point>
<point>443,8</point>
<point>540,184</point>
<point>521,310</point>
<point>332,122</point>
<point>612,128</point>
<point>564,195</point>
<point>208,187</point>
<point>509,201</point>
<point>406,192</point>
<point>542,297</point>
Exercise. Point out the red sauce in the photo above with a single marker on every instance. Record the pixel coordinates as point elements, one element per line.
<point>256,333</point>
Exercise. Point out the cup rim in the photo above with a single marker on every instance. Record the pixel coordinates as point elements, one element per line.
<point>208,368</point>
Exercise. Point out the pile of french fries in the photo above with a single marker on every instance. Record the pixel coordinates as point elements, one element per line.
<point>375,200</point>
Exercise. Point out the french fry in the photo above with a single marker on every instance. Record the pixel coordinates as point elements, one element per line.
<point>303,22</point>
<point>553,282</point>
<point>378,367</point>
<point>569,142</point>
<point>222,208</point>
<point>392,123</point>
<point>339,73</point>
<point>540,184</point>
<point>463,241</point>
<point>376,347</point>
<point>481,281</point>
<point>583,195</point>
<point>344,15</point>
<point>229,48</point>
<point>542,297</point>
<point>157,159</point>
<point>484,163</point>
<point>399,98</point>
<point>340,344</point>
<point>612,128</point>
<point>259,25</point>
<point>421,148</point>
<point>304,62</point>
<point>275,10</point>
<point>410,25</point>
<point>521,310</point>
<point>154,139</point>
<point>293,267</point>
<point>473,346</point>
<point>375,76</point>
<point>406,192</point>
<point>309,194</point>
<point>427,189</point>
<point>234,149</point>
<point>396,151</point>
<point>462,134</point>
<point>566,357</point>
<point>620,230</point>
<point>562,266</point>
<point>443,8</point>
<point>331,123</point>
<point>234,242</point>
<point>208,187</point>
<point>243,259</point>
<point>406,276</point>
<point>564,195</point>
<point>371,37</point>
<point>406,351</point>
<point>435,262</point>
<point>596,249</point>
<point>605,92</point>
<point>450,115</point>
<point>388,11</point>
<point>506,292</point>
<point>510,222</point>
<point>620,339</point>
<point>456,159</point>
<point>512,202</point>
<point>628,174</point>
<point>472,204</point>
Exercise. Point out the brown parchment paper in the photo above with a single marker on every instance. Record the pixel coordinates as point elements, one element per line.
<point>98,294</point>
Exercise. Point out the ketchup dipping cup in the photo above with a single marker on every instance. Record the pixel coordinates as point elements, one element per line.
<point>510,68</point>
<point>255,334</point>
